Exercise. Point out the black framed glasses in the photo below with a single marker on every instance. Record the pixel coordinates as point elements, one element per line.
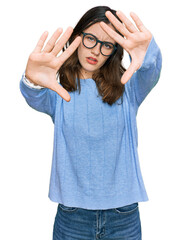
<point>90,41</point>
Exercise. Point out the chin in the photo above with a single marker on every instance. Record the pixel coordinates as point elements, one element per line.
<point>89,70</point>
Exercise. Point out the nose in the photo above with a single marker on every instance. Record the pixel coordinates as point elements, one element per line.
<point>96,49</point>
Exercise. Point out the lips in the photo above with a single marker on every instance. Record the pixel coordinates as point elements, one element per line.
<point>91,60</point>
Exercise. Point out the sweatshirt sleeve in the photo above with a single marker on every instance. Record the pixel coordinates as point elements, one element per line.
<point>40,99</point>
<point>147,76</point>
<point>30,84</point>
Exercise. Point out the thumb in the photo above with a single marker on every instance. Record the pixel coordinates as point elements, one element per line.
<point>128,73</point>
<point>61,91</point>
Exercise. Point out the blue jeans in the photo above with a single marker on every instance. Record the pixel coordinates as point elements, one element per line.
<point>72,223</point>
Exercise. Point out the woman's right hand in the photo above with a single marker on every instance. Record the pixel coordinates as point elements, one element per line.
<point>42,65</point>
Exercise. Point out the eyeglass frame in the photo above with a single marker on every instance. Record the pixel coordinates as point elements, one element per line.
<point>98,41</point>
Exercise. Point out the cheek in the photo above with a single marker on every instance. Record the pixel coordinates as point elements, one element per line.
<point>80,52</point>
<point>102,61</point>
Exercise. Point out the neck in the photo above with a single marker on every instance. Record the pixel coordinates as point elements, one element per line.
<point>85,74</point>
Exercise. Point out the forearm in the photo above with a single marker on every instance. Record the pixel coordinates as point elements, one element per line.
<point>37,97</point>
<point>147,76</point>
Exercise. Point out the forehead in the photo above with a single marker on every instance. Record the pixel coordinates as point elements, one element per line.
<point>96,30</point>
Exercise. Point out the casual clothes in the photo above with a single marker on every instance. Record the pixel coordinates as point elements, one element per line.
<point>95,161</point>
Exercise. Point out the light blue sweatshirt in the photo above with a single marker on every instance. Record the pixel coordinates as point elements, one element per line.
<point>95,162</point>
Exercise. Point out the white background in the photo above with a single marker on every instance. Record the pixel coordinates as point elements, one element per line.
<point>27,135</point>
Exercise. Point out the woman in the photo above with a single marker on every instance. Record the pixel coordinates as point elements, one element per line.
<point>95,177</point>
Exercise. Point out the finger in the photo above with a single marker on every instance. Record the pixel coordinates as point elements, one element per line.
<point>41,42</point>
<point>50,44</point>
<point>128,73</point>
<point>129,25</point>
<point>113,34</point>
<point>138,22</point>
<point>62,41</point>
<point>118,25</point>
<point>68,52</point>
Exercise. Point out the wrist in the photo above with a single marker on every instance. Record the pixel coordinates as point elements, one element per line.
<point>28,82</point>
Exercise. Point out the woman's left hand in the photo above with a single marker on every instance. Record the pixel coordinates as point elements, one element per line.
<point>136,42</point>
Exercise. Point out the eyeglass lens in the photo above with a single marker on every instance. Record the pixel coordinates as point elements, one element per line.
<point>90,41</point>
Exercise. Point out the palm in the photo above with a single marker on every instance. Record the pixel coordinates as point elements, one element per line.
<point>43,64</point>
<point>135,43</point>
<point>44,69</point>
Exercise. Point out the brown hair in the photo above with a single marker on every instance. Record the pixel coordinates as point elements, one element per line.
<point>108,77</point>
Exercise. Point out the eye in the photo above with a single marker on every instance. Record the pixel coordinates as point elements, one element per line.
<point>90,38</point>
<point>107,45</point>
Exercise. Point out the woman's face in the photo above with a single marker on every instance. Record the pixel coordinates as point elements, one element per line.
<point>90,66</point>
